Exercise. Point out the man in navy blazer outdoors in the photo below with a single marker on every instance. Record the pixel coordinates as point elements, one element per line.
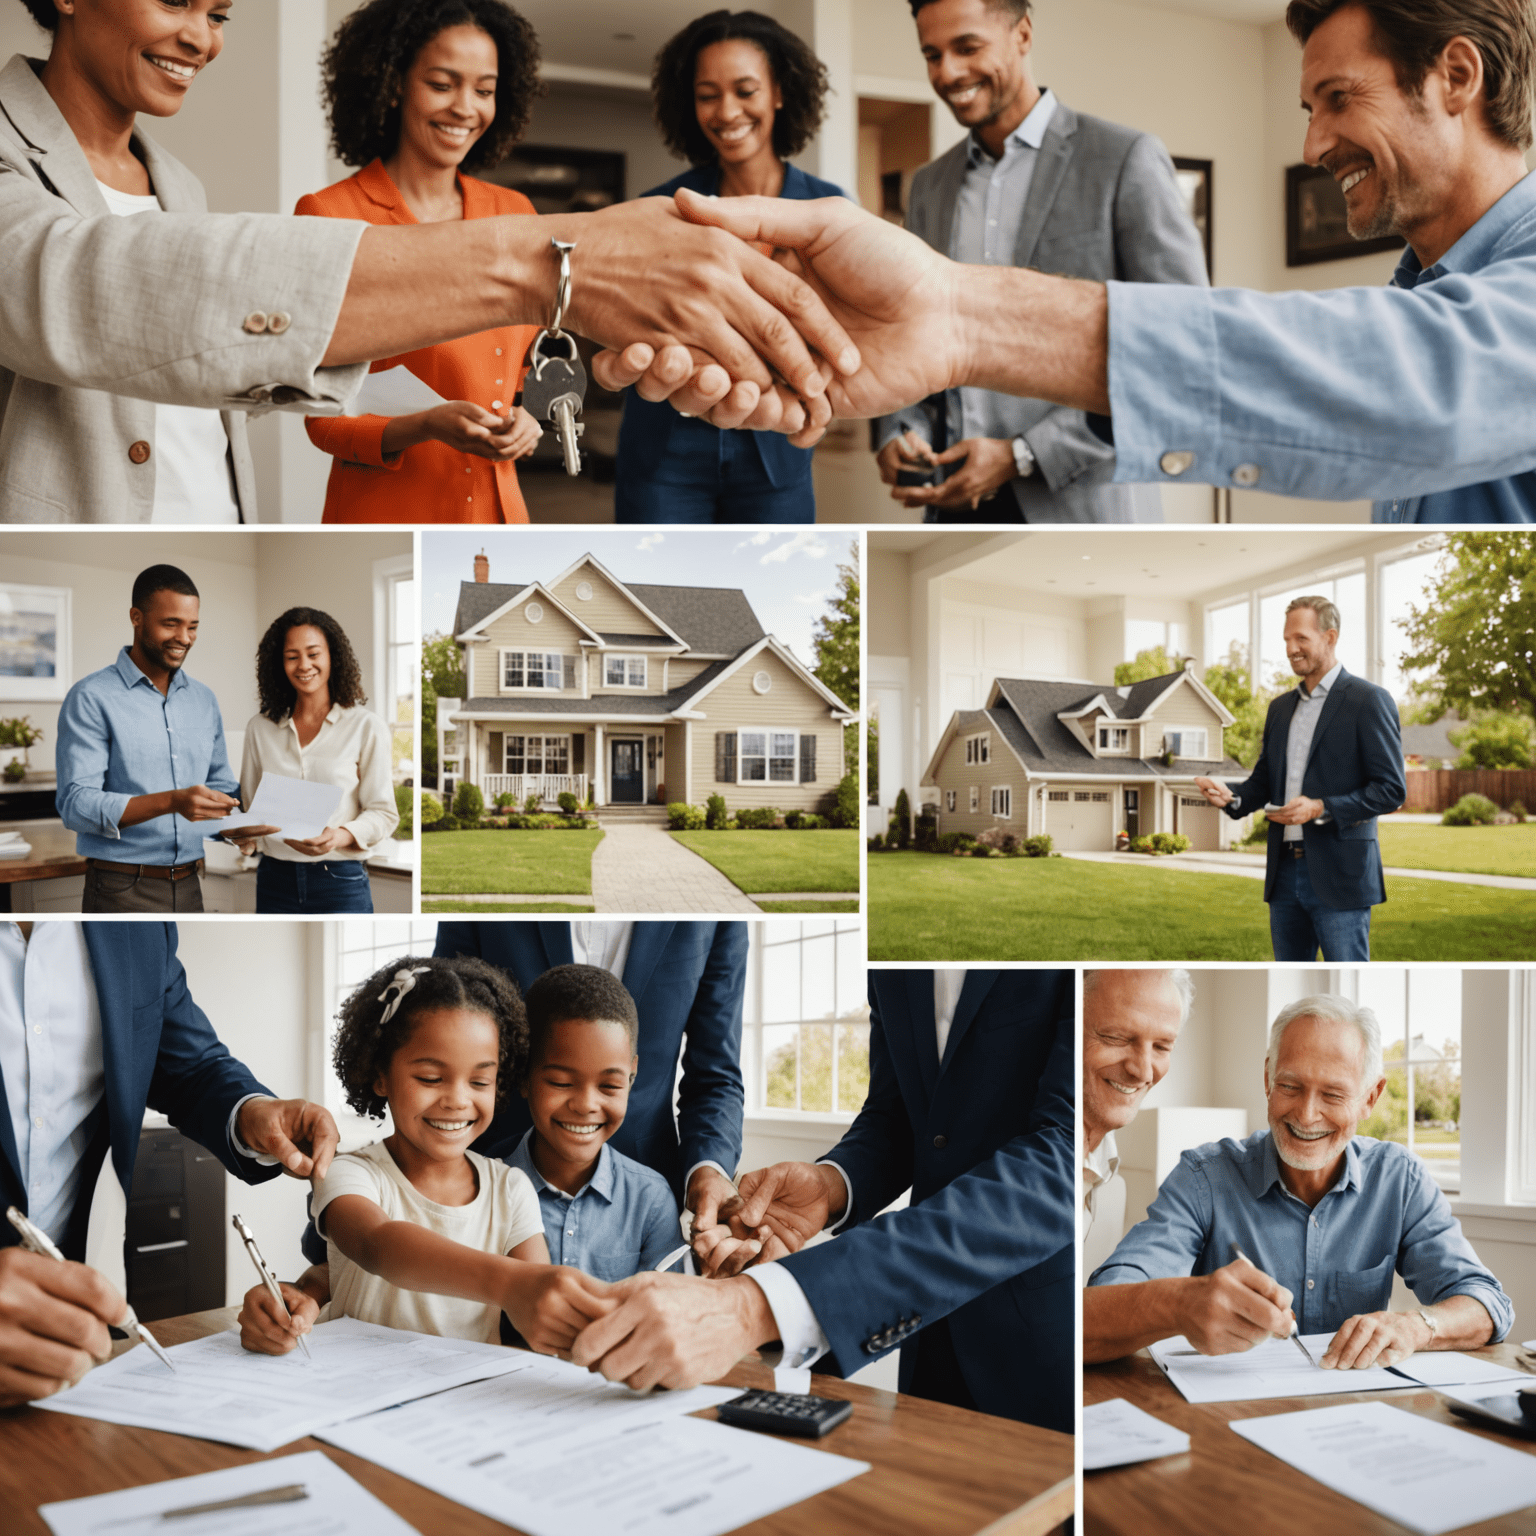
<point>970,1107</point>
<point>1331,763</point>
<point>96,1023</point>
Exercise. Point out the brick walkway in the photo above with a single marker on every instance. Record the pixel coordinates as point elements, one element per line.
<point>642,869</point>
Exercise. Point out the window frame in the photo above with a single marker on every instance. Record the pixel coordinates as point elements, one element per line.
<point>627,661</point>
<point>523,652</point>
<point>767,757</point>
<point>390,576</point>
<point>978,749</point>
<point>951,800</point>
<point>1003,793</point>
<point>1181,732</point>
<point>1106,748</point>
<point>525,737</point>
<point>975,799</point>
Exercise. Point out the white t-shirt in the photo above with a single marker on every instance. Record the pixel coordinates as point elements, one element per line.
<point>504,1213</point>
<point>192,472</point>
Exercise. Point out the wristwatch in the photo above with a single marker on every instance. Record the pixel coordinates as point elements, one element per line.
<point>1023,458</point>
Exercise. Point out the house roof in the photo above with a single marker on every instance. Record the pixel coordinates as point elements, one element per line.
<point>480,599</point>
<point>640,642</point>
<point>604,704</point>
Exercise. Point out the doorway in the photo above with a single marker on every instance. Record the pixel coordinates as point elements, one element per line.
<point>627,773</point>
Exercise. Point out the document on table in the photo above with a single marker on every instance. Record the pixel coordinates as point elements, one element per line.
<point>300,808</point>
<point>220,1391</point>
<point>1117,1433</point>
<point>1272,1369</point>
<point>1426,1476</point>
<point>335,1505</point>
<point>1451,1368</point>
<point>393,392</point>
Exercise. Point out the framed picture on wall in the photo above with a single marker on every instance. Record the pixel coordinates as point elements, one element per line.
<point>1317,221</point>
<point>1196,182</point>
<point>34,642</point>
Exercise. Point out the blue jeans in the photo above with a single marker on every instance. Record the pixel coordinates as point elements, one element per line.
<point>303,890</point>
<point>1299,924</point>
<point>710,477</point>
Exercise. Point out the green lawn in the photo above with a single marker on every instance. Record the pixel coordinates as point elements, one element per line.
<point>518,863</point>
<point>1470,850</point>
<point>531,908</point>
<point>809,906</point>
<point>780,862</point>
<point>925,906</point>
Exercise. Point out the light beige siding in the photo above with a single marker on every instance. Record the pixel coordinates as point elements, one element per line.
<point>653,669</point>
<point>954,774</point>
<point>554,632</point>
<point>675,755</point>
<point>682,670</point>
<point>608,610</point>
<point>1183,707</point>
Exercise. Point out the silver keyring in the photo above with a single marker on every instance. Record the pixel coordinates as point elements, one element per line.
<point>563,288</point>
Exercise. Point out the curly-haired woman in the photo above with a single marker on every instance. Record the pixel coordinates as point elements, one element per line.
<point>314,724</point>
<point>418,92</point>
<point>735,95</point>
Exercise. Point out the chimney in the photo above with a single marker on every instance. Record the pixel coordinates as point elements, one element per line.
<point>482,567</point>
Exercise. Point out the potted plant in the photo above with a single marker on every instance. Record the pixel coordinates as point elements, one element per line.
<point>1122,841</point>
<point>15,737</point>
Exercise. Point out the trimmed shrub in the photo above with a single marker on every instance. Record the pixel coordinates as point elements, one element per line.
<point>1038,847</point>
<point>991,838</point>
<point>794,820</point>
<point>569,804</point>
<point>1012,845</point>
<point>761,819</point>
<point>927,831</point>
<point>444,824</point>
<point>506,801</point>
<point>405,804</point>
<point>682,817</point>
<point>1471,811</point>
<point>716,817</point>
<point>901,821</point>
<point>431,809</point>
<point>531,805</point>
<point>810,822</point>
<point>981,851</point>
<point>846,812</point>
<point>1142,844</point>
<point>468,802</point>
<point>958,843</point>
<point>1518,811</point>
<point>876,844</point>
<point>1169,842</point>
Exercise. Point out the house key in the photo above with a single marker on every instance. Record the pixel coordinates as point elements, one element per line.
<point>556,380</point>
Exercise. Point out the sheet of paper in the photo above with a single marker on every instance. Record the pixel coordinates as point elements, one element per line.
<point>549,1458</point>
<point>220,1391</point>
<point>1450,1368</point>
<point>1117,1433</point>
<point>1426,1476</point>
<point>393,392</point>
<point>300,807</point>
<point>336,1505</point>
<point>1272,1369</point>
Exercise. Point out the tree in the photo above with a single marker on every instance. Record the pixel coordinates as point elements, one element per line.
<point>1496,741</point>
<point>440,675</point>
<point>836,648</point>
<point>1153,663</point>
<point>1229,681</point>
<point>872,754</point>
<point>1475,639</point>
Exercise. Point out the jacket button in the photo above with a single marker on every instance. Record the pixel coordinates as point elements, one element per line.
<point>941,1142</point>
<point>139,453</point>
<point>256,322</point>
<point>279,322</point>
<point>1176,463</point>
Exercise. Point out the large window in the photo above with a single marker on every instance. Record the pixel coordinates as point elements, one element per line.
<point>1347,592</point>
<point>781,757</point>
<point>395,631</point>
<point>764,757</point>
<point>1402,588</point>
<point>1193,744</point>
<point>537,754</point>
<point>624,672</point>
<point>1114,738</point>
<point>807,1018</point>
<point>752,759</point>
<point>1002,803</point>
<point>978,749</point>
<point>535,669</point>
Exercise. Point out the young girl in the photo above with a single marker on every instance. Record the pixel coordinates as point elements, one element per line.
<point>422,1233</point>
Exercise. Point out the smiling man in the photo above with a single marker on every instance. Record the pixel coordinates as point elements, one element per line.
<point>1131,1023</point>
<point>141,759</point>
<point>1328,1217</point>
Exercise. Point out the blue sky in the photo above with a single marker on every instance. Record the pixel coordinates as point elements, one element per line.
<point>788,574</point>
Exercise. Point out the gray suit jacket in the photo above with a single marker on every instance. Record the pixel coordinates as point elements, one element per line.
<point>101,316</point>
<point>1104,205</point>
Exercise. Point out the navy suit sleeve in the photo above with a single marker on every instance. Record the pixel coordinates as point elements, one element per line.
<point>457,939</point>
<point>1381,755</point>
<point>710,1095</point>
<point>1009,1213</point>
<point>196,1082</point>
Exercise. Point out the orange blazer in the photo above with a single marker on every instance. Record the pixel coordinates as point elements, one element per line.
<point>430,483</point>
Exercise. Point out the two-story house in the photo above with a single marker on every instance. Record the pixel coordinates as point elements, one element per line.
<point>1084,762</point>
<point>639,694</point>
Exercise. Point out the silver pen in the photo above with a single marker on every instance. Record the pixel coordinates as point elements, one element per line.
<point>268,1278</point>
<point>1237,1253</point>
<point>35,1240</point>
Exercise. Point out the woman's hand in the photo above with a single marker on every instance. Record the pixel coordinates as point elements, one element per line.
<point>466,428</point>
<point>263,1328</point>
<point>328,841</point>
<point>525,433</point>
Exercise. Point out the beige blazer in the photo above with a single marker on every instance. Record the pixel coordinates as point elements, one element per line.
<point>100,317</point>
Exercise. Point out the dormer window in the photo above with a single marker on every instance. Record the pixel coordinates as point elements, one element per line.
<point>978,749</point>
<point>1188,743</point>
<point>624,672</point>
<point>1114,738</point>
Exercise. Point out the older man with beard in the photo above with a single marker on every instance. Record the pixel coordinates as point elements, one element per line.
<point>1326,1217</point>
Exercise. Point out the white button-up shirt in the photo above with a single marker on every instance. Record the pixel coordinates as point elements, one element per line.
<point>1298,742</point>
<point>1099,1167</point>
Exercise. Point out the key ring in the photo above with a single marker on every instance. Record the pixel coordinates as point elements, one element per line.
<point>563,288</point>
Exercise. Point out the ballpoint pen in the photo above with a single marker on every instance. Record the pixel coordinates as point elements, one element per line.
<point>268,1278</point>
<point>35,1240</point>
<point>1237,1253</point>
<point>290,1494</point>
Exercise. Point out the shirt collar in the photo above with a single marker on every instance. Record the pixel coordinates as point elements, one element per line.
<point>1100,1165</point>
<point>128,670</point>
<point>1479,245</point>
<point>1329,678</point>
<point>1029,134</point>
<point>1349,1178</point>
<point>600,1184</point>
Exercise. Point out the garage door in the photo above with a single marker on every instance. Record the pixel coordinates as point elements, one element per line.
<point>1200,822</point>
<point>1078,820</point>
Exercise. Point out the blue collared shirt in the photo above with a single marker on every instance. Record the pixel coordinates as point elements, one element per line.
<point>119,736</point>
<point>1420,396</point>
<point>623,1220</point>
<point>1383,1215</point>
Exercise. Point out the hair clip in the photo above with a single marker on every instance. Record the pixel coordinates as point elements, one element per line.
<point>404,981</point>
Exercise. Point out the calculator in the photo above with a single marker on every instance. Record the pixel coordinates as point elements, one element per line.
<point>785,1413</point>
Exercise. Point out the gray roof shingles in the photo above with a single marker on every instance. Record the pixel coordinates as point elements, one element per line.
<point>604,704</point>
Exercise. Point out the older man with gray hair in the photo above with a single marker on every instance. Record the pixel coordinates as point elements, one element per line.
<point>1331,763</point>
<point>1325,1217</point>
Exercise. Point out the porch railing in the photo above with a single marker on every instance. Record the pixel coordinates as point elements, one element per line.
<point>547,786</point>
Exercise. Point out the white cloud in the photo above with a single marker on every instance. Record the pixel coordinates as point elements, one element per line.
<point>807,541</point>
<point>650,541</point>
<point>811,598</point>
<point>756,541</point>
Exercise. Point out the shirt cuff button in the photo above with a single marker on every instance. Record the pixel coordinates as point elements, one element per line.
<point>1176,462</point>
<point>256,322</point>
<point>1246,474</point>
<point>279,322</point>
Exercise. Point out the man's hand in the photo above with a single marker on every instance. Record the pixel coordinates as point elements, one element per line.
<point>263,1328</point>
<point>550,1304</point>
<point>988,466</point>
<point>707,1191</point>
<point>778,1209</point>
<point>1377,1338</point>
<point>1297,812</point>
<point>676,1331</point>
<point>199,803</point>
<point>245,838</point>
<point>908,451</point>
<point>1218,794</point>
<point>327,842</point>
<point>53,1324</point>
<point>300,1135</point>
<point>1235,1308</point>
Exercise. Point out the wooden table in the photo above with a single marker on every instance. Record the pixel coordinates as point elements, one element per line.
<point>935,1470</point>
<point>1226,1484</point>
<point>53,855</point>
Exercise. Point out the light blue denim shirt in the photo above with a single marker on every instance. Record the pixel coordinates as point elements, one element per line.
<point>1420,396</point>
<point>119,736</point>
<point>623,1221</point>
<point>1384,1214</point>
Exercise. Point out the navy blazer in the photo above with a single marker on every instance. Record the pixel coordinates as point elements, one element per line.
<point>648,425</point>
<point>984,1142</point>
<point>1355,768</point>
<point>158,1050</point>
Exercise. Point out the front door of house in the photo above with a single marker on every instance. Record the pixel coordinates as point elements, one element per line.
<point>1133,813</point>
<point>627,777</point>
